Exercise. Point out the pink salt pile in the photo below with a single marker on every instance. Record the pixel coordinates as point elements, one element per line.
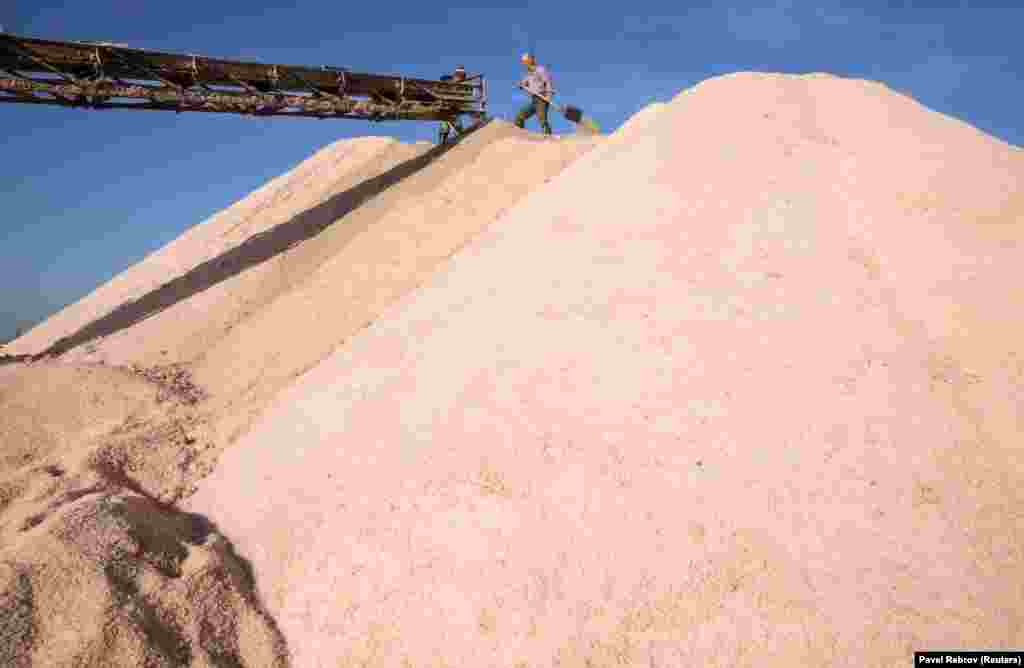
<point>742,390</point>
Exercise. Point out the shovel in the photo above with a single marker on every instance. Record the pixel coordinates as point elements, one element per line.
<point>571,113</point>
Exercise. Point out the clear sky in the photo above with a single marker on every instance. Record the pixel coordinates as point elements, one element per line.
<point>88,193</point>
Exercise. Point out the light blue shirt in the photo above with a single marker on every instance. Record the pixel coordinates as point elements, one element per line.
<point>539,82</point>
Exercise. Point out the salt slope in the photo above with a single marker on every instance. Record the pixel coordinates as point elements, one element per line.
<point>260,267</point>
<point>745,390</point>
<point>329,171</point>
<point>385,249</point>
<point>249,335</point>
<point>192,327</point>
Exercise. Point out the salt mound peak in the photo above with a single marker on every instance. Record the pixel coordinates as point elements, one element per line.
<point>635,123</point>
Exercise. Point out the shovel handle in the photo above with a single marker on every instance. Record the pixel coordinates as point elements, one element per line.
<point>546,99</point>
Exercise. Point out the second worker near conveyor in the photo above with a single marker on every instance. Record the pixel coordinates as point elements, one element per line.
<point>447,126</point>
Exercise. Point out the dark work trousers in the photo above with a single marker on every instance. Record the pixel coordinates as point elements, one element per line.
<point>537,106</point>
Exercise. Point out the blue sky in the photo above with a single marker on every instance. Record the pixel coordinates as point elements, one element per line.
<point>88,193</point>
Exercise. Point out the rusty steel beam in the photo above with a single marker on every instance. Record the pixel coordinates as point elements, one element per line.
<point>107,76</point>
<point>109,95</point>
<point>161,107</point>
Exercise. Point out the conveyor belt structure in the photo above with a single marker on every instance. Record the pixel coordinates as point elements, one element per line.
<point>101,75</point>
